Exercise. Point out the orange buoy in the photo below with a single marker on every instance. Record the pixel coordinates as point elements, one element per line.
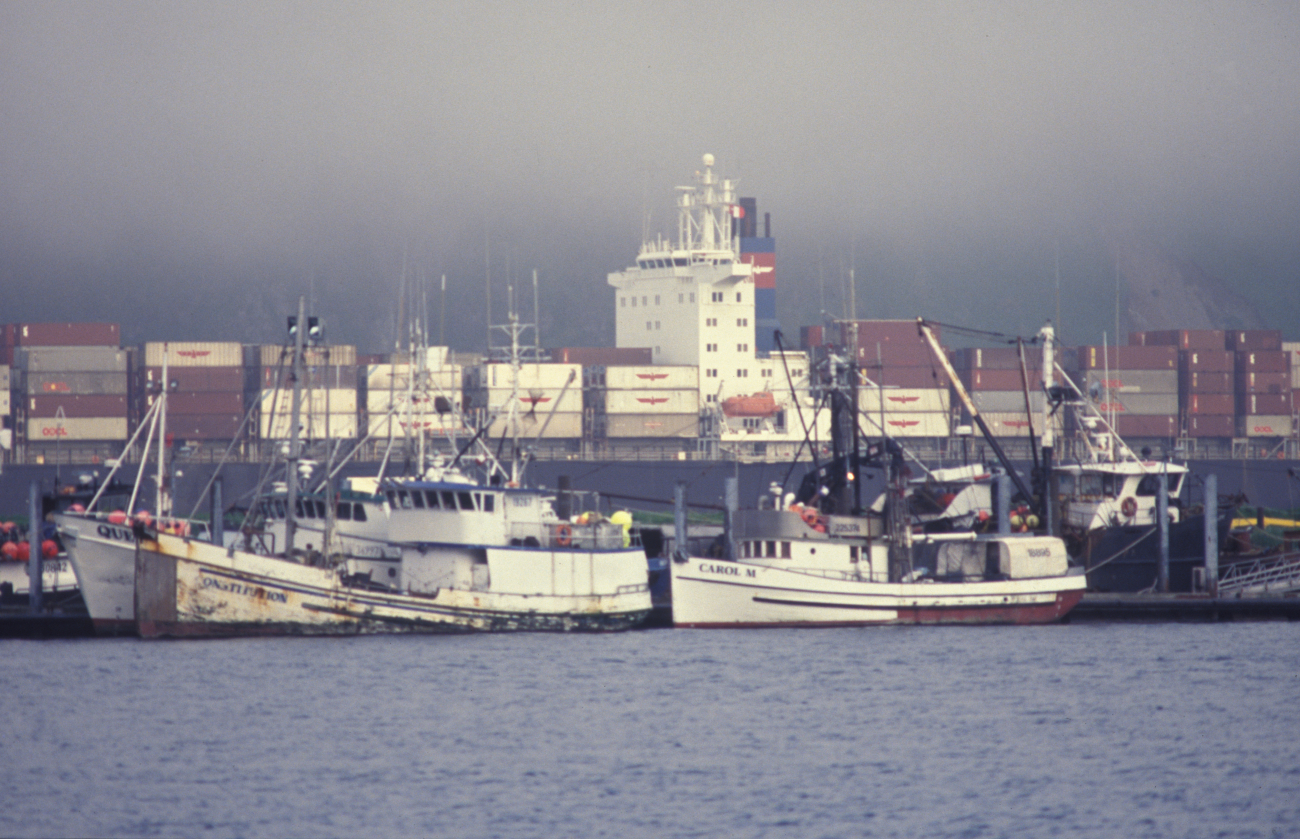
<point>49,549</point>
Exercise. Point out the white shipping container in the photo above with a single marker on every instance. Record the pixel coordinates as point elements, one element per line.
<point>5,407</point>
<point>194,354</point>
<point>379,401</point>
<point>531,400</point>
<point>1014,424</point>
<point>398,377</point>
<point>903,399</point>
<point>652,401</point>
<point>1006,401</point>
<point>437,425</point>
<point>501,376</point>
<point>338,354</point>
<point>76,428</point>
<point>4,376</point>
<point>1292,350</point>
<point>642,377</point>
<point>1265,425</point>
<point>76,360</point>
<point>560,426</point>
<point>652,425</point>
<point>332,400</point>
<point>339,426</point>
<point>897,424</point>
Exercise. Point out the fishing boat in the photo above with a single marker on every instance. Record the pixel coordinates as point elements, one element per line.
<point>818,557</point>
<point>475,555</point>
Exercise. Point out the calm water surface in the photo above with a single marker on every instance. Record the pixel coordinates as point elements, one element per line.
<point>1085,730</point>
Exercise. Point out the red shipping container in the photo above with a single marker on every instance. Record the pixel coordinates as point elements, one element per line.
<point>197,378</point>
<point>996,380</point>
<point>908,376</point>
<point>1195,381</point>
<point>882,331</point>
<point>1264,403</point>
<point>67,335</point>
<point>1263,383</point>
<point>895,355</point>
<point>1207,361</point>
<point>1125,358</point>
<point>1209,403</point>
<point>995,358</point>
<point>810,336</point>
<point>1263,361</point>
<point>1212,425</point>
<point>1253,339</point>
<point>77,405</point>
<point>1138,425</point>
<point>203,426</point>
<point>1184,339</point>
<point>602,355</point>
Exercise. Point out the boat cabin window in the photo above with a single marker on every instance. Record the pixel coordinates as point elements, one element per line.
<point>448,500</point>
<point>680,261</point>
<point>1110,485</point>
<point>1065,484</point>
<point>392,498</point>
<point>297,509</point>
<point>358,512</point>
<point>320,509</point>
<point>279,509</point>
<point>466,500</point>
<point>489,503</point>
<point>343,511</point>
<point>417,498</point>
<point>1150,484</point>
<point>771,549</point>
<point>1090,485</point>
<point>431,496</point>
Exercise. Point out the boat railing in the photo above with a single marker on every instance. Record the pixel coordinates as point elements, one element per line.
<point>1276,574</point>
<point>568,535</point>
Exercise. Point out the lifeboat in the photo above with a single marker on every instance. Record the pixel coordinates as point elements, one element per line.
<point>755,405</point>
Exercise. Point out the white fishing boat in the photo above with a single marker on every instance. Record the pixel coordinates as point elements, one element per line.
<point>474,556</point>
<point>818,558</point>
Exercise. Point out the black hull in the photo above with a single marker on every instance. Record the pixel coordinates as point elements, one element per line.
<point>1136,555</point>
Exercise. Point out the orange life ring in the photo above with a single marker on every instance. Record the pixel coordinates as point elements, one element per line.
<point>563,535</point>
<point>1129,507</point>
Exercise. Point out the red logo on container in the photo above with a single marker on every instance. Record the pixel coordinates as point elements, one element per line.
<point>1263,429</point>
<point>652,400</point>
<point>1017,423</point>
<point>56,387</point>
<point>533,400</point>
<point>193,353</point>
<point>652,375</point>
<point>904,423</point>
<point>902,398</point>
<point>57,431</point>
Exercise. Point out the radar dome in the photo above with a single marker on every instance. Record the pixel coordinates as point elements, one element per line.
<point>708,160</point>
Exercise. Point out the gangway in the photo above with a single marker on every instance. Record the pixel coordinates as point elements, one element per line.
<point>1277,574</point>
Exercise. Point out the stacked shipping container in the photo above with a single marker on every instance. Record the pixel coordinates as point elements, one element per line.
<point>1137,385</point>
<point>905,387</point>
<point>996,383</point>
<point>205,388</point>
<point>549,399</point>
<point>329,388</point>
<point>634,401</point>
<point>75,383</point>
<point>413,393</point>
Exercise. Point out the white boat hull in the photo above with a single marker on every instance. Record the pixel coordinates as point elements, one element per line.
<point>713,593</point>
<point>186,588</point>
<point>103,557</point>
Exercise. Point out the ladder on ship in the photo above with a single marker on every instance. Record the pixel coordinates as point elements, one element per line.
<point>1278,574</point>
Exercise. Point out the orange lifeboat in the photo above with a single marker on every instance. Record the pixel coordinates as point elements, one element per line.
<point>755,405</point>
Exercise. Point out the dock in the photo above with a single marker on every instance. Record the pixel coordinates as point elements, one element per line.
<point>1167,608</point>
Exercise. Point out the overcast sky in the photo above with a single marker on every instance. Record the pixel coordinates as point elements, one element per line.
<point>189,169</point>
